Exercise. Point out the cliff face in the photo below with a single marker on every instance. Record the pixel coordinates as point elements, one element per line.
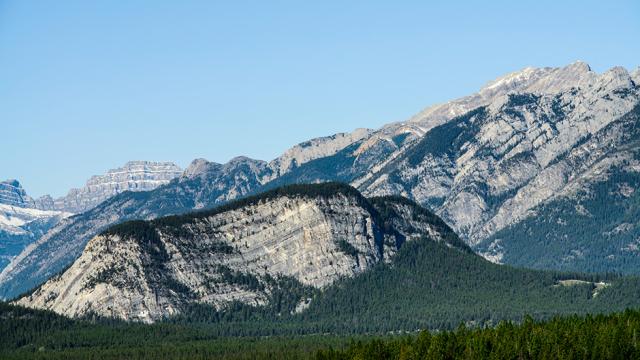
<point>133,176</point>
<point>312,234</point>
<point>20,223</point>
<point>12,193</point>
<point>487,168</point>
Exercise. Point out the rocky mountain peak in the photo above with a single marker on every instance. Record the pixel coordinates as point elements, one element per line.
<point>244,160</point>
<point>198,167</point>
<point>137,175</point>
<point>577,69</point>
<point>635,76</point>
<point>314,149</point>
<point>481,162</point>
<point>545,80</point>
<point>12,193</point>
<point>616,78</point>
<point>514,81</point>
<point>132,176</point>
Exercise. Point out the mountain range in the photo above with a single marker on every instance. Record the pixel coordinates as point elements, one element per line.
<point>538,169</point>
<point>308,259</point>
<point>23,220</point>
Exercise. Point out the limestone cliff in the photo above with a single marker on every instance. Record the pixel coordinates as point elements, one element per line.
<point>314,234</point>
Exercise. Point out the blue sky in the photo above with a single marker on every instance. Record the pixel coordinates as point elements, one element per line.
<point>87,85</point>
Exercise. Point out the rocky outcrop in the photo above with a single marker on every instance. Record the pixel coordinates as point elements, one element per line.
<point>21,226</point>
<point>204,184</point>
<point>313,149</point>
<point>12,193</point>
<point>587,221</point>
<point>313,234</point>
<point>20,223</point>
<point>485,170</point>
<point>133,176</point>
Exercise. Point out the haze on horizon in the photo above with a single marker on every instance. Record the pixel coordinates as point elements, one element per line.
<point>88,86</point>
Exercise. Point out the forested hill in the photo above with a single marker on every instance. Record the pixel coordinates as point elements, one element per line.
<point>317,258</point>
<point>428,285</point>
<point>299,236</point>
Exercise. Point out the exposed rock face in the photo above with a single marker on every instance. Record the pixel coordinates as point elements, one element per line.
<point>635,75</point>
<point>133,176</point>
<point>313,149</point>
<point>214,183</point>
<point>204,184</point>
<point>20,224</point>
<point>12,193</point>
<point>588,221</point>
<point>487,169</point>
<point>314,234</point>
<point>482,162</point>
<point>529,80</point>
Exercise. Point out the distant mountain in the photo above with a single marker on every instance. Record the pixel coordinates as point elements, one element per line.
<point>311,259</point>
<point>484,163</point>
<point>133,176</point>
<point>203,184</point>
<point>20,227</point>
<point>12,193</point>
<point>20,224</point>
<point>24,220</point>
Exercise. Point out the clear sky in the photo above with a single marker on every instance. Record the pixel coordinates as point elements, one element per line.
<point>87,85</point>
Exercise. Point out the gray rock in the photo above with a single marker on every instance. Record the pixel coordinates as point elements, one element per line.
<point>314,239</point>
<point>12,193</point>
<point>133,176</point>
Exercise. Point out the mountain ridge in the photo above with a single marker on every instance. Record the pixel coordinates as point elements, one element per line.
<point>132,176</point>
<point>310,234</point>
<point>308,259</point>
<point>537,115</point>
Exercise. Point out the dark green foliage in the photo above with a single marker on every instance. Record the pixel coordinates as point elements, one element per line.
<point>580,233</point>
<point>171,284</point>
<point>239,319</point>
<point>446,138</point>
<point>428,284</point>
<point>231,276</point>
<point>385,209</point>
<point>522,99</point>
<point>600,337</point>
<point>399,139</point>
<point>347,248</point>
<point>431,285</point>
<point>145,234</point>
<point>33,334</point>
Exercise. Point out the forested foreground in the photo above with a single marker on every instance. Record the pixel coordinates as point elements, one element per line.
<point>32,334</point>
<point>615,336</point>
